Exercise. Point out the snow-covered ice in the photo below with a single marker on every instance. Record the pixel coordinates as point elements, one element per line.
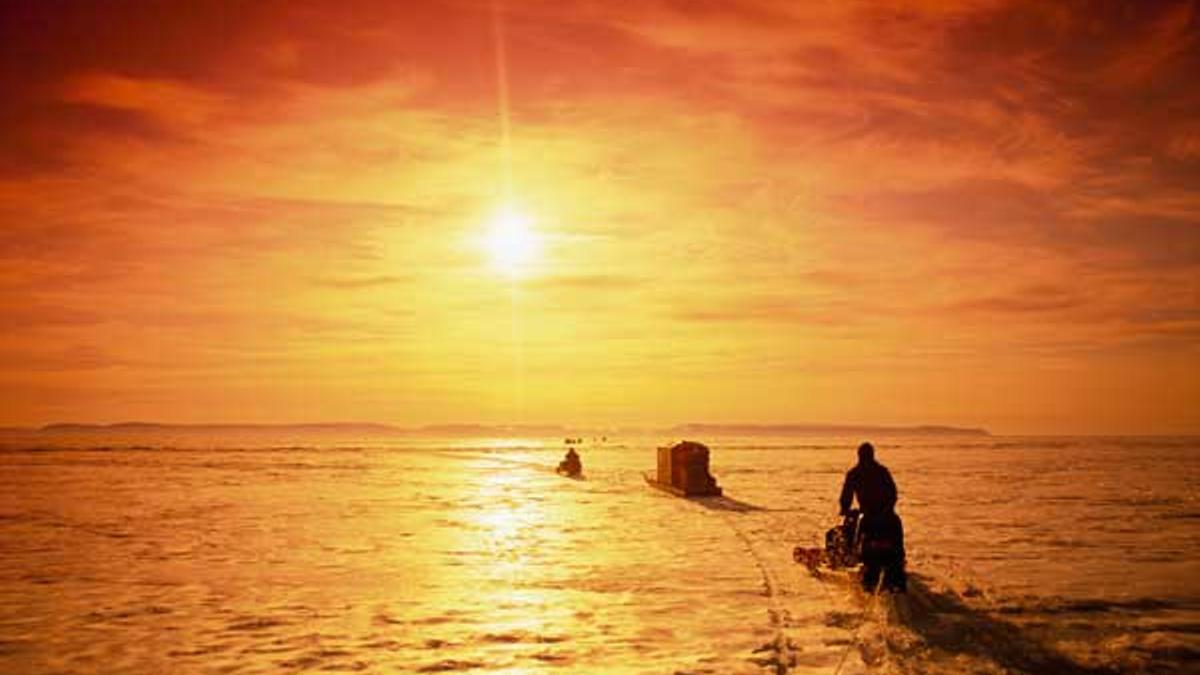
<point>1065,555</point>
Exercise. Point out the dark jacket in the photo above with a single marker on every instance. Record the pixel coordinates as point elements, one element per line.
<point>872,483</point>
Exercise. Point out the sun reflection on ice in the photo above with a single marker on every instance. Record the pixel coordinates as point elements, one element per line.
<point>511,522</point>
<point>515,533</point>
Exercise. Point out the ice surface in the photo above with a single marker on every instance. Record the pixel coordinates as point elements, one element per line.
<point>1030,555</point>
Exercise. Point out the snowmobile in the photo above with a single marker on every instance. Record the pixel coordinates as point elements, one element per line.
<point>570,466</point>
<point>849,544</point>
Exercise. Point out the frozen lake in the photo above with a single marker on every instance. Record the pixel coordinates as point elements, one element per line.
<point>1052,555</point>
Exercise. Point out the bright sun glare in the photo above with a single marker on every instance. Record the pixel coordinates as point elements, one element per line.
<point>512,242</point>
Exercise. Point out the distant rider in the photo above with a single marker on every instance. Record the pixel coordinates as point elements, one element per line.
<point>881,532</point>
<point>571,464</point>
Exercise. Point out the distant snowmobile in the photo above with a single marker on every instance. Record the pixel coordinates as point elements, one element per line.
<point>571,466</point>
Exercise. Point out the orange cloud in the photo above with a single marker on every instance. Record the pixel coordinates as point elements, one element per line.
<point>751,211</point>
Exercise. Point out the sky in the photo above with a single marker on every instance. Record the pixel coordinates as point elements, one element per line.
<point>981,213</point>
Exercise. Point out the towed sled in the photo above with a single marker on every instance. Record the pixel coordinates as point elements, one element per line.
<point>681,490</point>
<point>877,546</point>
<point>683,471</point>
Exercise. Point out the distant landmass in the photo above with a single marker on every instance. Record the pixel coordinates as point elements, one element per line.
<point>696,430</point>
<point>358,428</point>
<point>491,429</point>
<point>701,429</point>
<point>156,427</point>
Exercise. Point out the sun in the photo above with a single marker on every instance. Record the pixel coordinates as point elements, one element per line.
<point>512,243</point>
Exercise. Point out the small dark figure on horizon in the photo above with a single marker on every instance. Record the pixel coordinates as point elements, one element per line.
<point>880,532</point>
<point>571,464</point>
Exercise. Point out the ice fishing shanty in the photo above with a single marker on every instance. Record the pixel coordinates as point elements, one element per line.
<point>683,470</point>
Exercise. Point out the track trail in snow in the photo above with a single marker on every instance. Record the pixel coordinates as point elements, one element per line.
<point>795,616</point>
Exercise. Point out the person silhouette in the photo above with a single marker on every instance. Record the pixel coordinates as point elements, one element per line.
<point>880,533</point>
<point>571,465</point>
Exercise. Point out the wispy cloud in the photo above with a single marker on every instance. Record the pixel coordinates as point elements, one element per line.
<point>362,282</point>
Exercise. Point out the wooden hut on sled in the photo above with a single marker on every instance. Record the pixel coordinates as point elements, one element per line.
<point>683,470</point>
